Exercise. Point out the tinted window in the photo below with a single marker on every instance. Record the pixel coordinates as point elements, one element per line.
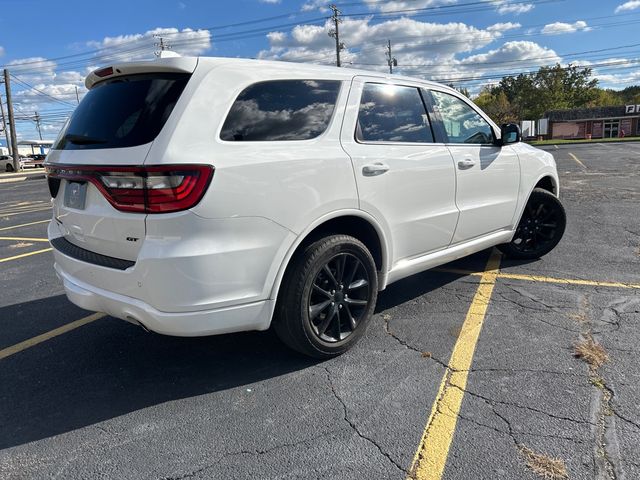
<point>281,110</point>
<point>391,113</point>
<point>123,112</point>
<point>461,122</point>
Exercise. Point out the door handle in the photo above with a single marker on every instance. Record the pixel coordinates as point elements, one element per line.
<point>466,164</point>
<point>374,169</point>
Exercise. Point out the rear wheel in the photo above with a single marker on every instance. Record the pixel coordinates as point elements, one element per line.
<point>540,229</point>
<point>9,167</point>
<point>327,297</point>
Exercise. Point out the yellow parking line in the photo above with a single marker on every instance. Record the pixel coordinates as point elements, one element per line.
<point>568,281</point>
<point>577,160</point>
<point>23,225</point>
<point>25,239</point>
<point>26,211</point>
<point>7,352</point>
<point>544,279</point>
<point>431,457</point>
<point>19,208</point>
<point>16,257</point>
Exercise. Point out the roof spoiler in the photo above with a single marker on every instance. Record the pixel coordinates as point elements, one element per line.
<point>172,64</point>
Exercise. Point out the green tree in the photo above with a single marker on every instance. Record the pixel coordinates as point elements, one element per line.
<point>550,88</point>
<point>497,106</point>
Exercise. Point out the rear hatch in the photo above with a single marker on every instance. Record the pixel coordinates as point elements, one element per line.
<point>95,169</point>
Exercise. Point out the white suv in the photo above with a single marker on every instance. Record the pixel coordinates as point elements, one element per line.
<point>199,196</point>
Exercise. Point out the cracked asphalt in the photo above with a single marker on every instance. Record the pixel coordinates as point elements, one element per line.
<point>111,401</point>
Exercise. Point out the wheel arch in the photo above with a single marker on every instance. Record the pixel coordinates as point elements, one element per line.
<point>356,223</point>
<point>548,183</point>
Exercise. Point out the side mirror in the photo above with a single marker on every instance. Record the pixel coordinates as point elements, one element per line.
<point>510,133</point>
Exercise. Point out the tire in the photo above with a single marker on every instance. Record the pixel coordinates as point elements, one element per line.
<point>9,167</point>
<point>327,297</point>
<point>540,229</point>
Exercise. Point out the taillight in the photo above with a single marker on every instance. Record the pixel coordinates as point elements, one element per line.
<point>148,189</point>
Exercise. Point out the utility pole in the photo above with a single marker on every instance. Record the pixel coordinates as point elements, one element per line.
<point>391,61</point>
<point>162,45</point>
<point>12,123</point>
<point>37,118</point>
<point>335,33</point>
<point>77,96</point>
<point>4,122</point>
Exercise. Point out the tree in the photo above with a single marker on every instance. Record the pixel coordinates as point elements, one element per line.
<point>497,106</point>
<point>550,88</point>
<point>463,90</point>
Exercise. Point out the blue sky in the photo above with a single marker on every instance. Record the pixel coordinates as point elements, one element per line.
<point>49,47</point>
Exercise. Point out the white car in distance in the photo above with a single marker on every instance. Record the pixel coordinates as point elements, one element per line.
<point>200,196</point>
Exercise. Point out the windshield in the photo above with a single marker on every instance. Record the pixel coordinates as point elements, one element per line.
<point>124,112</point>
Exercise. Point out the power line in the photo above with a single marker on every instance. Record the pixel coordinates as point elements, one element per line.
<point>31,87</point>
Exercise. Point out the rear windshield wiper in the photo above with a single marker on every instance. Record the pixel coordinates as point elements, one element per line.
<point>82,139</point>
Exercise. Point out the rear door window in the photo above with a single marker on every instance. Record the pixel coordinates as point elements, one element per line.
<point>281,110</point>
<point>122,112</point>
<point>392,113</point>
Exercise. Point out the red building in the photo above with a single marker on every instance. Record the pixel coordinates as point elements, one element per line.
<point>598,122</point>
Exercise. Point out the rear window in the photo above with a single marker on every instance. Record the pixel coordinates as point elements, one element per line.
<point>123,112</point>
<point>281,110</point>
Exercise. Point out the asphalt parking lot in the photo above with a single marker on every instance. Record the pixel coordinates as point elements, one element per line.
<point>467,372</point>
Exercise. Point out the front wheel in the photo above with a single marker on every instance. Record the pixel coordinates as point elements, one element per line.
<point>540,229</point>
<point>9,167</point>
<point>327,297</point>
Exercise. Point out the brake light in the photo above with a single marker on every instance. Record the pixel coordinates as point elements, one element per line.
<point>104,72</point>
<point>147,189</point>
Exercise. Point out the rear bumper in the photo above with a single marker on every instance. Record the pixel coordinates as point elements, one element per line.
<point>251,316</point>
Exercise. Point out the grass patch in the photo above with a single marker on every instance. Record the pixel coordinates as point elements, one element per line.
<point>544,465</point>
<point>591,352</point>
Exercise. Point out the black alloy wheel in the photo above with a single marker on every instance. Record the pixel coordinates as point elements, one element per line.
<point>540,229</point>
<point>327,297</point>
<point>339,297</point>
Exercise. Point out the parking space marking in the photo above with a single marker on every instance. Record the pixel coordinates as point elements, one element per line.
<point>28,254</point>
<point>431,457</point>
<point>556,147</point>
<point>544,279</point>
<point>20,208</point>
<point>18,347</point>
<point>26,211</point>
<point>568,281</point>
<point>25,239</point>
<point>577,160</point>
<point>24,225</point>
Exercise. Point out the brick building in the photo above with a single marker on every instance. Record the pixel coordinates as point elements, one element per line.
<point>598,122</point>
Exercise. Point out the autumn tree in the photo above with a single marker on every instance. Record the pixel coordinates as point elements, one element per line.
<point>550,88</point>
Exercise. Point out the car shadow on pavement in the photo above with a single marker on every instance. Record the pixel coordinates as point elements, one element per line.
<point>110,368</point>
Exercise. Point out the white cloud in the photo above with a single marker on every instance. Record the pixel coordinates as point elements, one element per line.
<point>272,2</point>
<point>320,5</point>
<point>557,28</point>
<point>630,5</point>
<point>515,53</point>
<point>54,86</point>
<point>140,46</point>
<point>505,6</point>
<point>441,51</point>
<point>503,27</point>
<point>412,39</point>
<point>393,5</point>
